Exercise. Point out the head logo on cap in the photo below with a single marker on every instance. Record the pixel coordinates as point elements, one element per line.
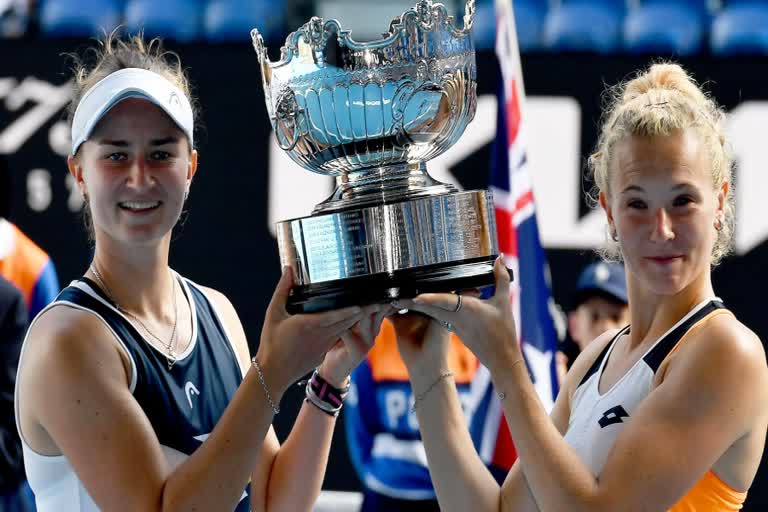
<point>174,101</point>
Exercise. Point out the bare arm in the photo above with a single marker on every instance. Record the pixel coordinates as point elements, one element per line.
<point>74,380</point>
<point>710,398</point>
<point>303,457</point>
<point>706,403</point>
<point>462,481</point>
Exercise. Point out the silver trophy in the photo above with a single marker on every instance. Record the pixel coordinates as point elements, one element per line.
<point>371,115</point>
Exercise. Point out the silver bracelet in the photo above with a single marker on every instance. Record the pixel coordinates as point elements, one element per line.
<point>421,396</point>
<point>275,407</point>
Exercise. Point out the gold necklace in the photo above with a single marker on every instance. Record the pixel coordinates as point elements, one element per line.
<point>170,356</point>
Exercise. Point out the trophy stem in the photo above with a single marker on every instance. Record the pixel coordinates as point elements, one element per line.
<point>382,185</point>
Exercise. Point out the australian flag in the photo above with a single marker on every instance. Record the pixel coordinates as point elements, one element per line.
<point>518,235</point>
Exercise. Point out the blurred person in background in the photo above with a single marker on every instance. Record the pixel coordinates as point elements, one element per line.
<point>599,304</point>
<point>15,495</point>
<point>22,261</point>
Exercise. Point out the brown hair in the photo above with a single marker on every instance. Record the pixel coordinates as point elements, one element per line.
<point>664,100</point>
<point>113,54</point>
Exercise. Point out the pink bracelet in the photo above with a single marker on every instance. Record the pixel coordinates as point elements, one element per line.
<point>324,396</point>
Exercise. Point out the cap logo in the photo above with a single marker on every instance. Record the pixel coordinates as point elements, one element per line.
<point>174,101</point>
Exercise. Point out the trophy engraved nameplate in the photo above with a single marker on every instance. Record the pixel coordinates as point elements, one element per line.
<point>372,114</point>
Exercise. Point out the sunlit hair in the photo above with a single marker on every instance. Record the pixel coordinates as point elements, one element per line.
<point>661,101</point>
<point>114,53</point>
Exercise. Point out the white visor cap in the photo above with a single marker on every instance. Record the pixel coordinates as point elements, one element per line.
<point>130,83</point>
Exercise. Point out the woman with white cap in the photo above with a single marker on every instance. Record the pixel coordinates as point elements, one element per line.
<point>136,390</point>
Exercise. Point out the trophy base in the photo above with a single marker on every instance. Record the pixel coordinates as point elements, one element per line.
<point>380,252</point>
<point>384,287</point>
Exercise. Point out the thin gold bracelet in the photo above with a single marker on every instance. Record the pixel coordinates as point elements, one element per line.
<point>421,396</point>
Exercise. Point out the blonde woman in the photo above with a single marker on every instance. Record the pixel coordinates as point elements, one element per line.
<point>668,413</point>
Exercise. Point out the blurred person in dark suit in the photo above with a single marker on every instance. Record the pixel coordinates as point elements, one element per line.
<point>15,495</point>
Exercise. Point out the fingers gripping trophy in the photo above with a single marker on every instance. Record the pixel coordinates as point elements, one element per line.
<point>371,115</point>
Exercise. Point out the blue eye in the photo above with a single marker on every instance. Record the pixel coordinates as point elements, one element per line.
<point>115,157</point>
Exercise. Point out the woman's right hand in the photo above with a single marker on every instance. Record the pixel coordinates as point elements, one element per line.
<point>293,345</point>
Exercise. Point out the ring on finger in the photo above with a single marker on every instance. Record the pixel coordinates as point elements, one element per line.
<point>458,304</point>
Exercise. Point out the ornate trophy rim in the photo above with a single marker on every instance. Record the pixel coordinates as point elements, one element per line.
<point>426,14</point>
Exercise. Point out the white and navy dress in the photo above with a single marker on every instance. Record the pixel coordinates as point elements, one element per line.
<point>183,404</point>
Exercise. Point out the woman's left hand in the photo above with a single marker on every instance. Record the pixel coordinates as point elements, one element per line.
<point>353,346</point>
<point>487,327</point>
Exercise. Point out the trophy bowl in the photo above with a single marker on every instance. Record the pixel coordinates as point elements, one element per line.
<point>371,114</point>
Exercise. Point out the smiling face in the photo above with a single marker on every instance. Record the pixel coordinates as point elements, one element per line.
<point>664,208</point>
<point>135,169</point>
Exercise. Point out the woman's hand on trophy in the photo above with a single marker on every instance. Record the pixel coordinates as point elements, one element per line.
<point>353,346</point>
<point>487,327</point>
<point>293,345</point>
<point>423,343</point>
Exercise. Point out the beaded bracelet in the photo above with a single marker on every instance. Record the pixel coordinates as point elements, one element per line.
<point>324,396</point>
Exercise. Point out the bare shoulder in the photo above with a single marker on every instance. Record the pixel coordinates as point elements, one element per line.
<point>723,347</point>
<point>720,371</point>
<point>234,328</point>
<point>66,350</point>
<point>728,333</point>
<point>63,339</point>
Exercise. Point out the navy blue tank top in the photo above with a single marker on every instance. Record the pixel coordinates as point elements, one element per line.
<point>183,404</point>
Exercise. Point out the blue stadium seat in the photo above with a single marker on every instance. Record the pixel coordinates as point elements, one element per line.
<point>529,22</point>
<point>619,7</point>
<point>671,28</point>
<point>174,19</point>
<point>583,27</point>
<point>741,29</point>
<point>734,3</point>
<point>232,20</point>
<point>78,18</point>
<point>702,7</point>
<point>484,27</point>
